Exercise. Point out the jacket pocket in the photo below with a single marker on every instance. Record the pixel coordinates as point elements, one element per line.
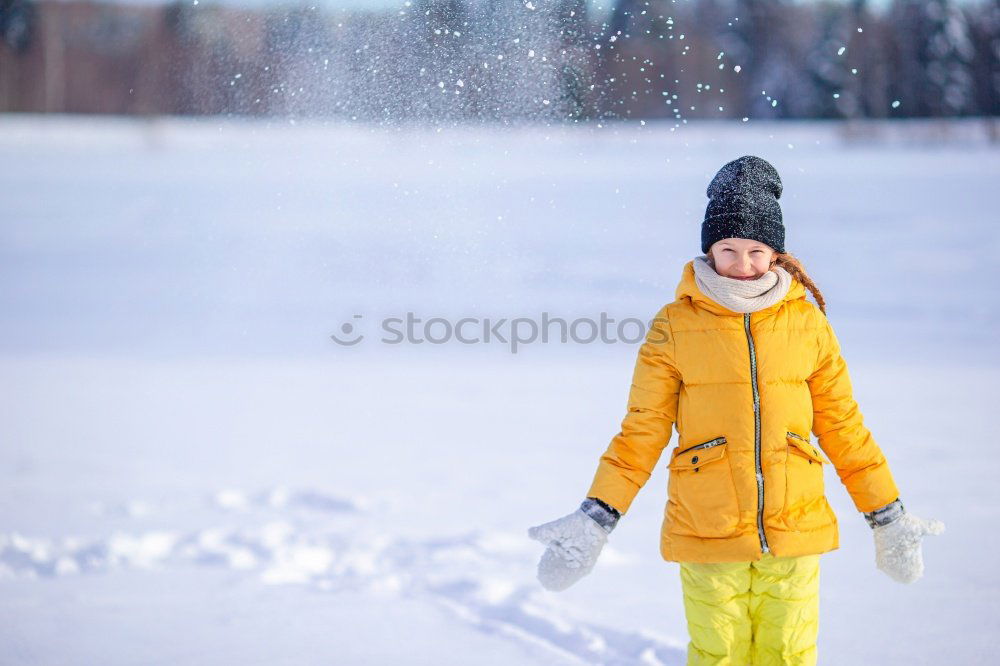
<point>805,500</point>
<point>701,493</point>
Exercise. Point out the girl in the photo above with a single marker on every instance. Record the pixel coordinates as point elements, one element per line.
<point>745,367</point>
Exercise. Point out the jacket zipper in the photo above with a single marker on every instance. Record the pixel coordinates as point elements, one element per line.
<point>803,439</point>
<point>756,436</point>
<point>704,445</point>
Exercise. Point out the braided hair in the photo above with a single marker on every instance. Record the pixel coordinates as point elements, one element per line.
<point>794,266</point>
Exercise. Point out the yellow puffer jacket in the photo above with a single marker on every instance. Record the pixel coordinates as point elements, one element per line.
<point>744,391</point>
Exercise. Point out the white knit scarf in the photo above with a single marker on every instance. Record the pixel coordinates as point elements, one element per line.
<point>741,295</point>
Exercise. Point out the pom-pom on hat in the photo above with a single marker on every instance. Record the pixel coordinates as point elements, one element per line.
<point>743,203</point>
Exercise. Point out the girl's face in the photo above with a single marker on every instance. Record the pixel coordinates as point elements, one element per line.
<point>741,258</point>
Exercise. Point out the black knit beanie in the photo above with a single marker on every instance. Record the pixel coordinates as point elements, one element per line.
<point>743,203</point>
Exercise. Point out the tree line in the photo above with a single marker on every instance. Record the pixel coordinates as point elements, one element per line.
<point>506,60</point>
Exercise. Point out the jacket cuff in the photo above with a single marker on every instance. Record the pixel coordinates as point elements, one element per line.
<point>886,514</point>
<point>603,514</point>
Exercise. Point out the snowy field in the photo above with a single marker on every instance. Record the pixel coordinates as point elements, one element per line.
<point>193,472</point>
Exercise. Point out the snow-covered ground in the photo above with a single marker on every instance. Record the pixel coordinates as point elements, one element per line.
<point>191,471</point>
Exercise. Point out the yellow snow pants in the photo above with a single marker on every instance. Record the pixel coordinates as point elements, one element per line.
<point>752,613</point>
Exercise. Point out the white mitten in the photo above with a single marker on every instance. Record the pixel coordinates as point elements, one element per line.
<point>897,546</point>
<point>573,544</point>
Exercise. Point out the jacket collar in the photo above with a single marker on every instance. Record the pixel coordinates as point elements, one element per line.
<point>688,288</point>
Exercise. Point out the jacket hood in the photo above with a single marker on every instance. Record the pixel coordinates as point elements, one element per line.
<point>688,288</point>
